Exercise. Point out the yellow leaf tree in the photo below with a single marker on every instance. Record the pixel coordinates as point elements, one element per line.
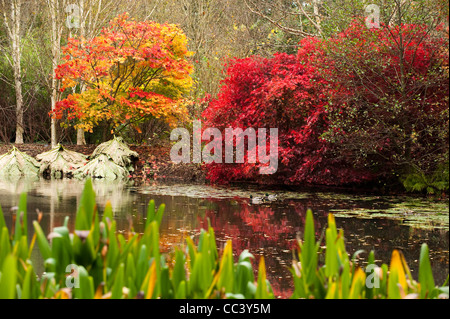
<point>133,71</point>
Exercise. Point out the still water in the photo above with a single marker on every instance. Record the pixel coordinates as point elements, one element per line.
<point>379,223</point>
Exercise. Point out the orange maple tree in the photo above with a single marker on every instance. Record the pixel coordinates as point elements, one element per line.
<point>131,72</point>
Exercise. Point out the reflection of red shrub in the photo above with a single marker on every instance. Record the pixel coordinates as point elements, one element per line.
<point>251,227</point>
<point>262,230</point>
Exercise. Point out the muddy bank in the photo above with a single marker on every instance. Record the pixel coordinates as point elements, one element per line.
<point>153,164</point>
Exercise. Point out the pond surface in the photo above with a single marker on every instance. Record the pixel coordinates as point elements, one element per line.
<point>381,223</point>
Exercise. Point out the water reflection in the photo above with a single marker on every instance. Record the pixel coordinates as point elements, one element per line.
<point>270,229</point>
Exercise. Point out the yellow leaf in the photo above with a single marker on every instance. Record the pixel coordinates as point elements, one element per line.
<point>99,291</point>
<point>152,281</point>
<point>358,282</point>
<point>397,266</point>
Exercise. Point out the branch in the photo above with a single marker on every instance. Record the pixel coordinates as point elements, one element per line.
<point>276,23</point>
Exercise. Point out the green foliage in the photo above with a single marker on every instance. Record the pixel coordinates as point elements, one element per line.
<point>418,181</point>
<point>98,262</point>
<point>341,278</point>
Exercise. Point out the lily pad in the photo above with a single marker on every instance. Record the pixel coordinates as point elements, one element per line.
<point>101,167</point>
<point>118,151</point>
<point>60,161</point>
<point>17,163</point>
<point>419,218</point>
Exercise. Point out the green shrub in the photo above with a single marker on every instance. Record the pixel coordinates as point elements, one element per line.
<point>418,181</point>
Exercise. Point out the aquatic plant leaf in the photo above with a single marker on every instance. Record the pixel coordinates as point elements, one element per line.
<point>8,278</point>
<point>226,274</point>
<point>85,212</point>
<point>117,287</point>
<point>85,289</point>
<point>113,247</point>
<point>262,289</point>
<point>181,291</point>
<point>179,272</point>
<point>130,271</point>
<point>331,255</point>
<point>345,281</point>
<point>244,276</point>
<point>358,282</point>
<point>30,288</point>
<point>426,279</point>
<point>5,244</point>
<point>142,264</point>
<point>102,167</point>
<point>2,219</point>
<point>246,256</point>
<point>396,276</point>
<point>152,280</point>
<point>165,283</point>
<point>150,212</point>
<point>21,227</point>
<point>309,248</point>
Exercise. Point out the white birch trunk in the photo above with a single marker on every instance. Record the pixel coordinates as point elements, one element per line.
<point>80,132</point>
<point>13,28</point>
<point>55,39</point>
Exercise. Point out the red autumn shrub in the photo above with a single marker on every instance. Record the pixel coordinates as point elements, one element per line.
<point>349,109</point>
<point>286,93</point>
<point>389,98</point>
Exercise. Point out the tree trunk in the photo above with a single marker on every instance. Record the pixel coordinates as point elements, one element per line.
<point>55,38</point>
<point>14,34</point>
<point>80,137</point>
<point>80,132</point>
<point>18,89</point>
<point>19,110</point>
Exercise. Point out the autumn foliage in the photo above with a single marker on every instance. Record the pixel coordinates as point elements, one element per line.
<point>131,72</point>
<point>362,106</point>
<point>389,110</point>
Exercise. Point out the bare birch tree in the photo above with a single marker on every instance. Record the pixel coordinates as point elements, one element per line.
<point>12,22</point>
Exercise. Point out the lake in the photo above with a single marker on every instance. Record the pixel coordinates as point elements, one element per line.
<point>379,223</point>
